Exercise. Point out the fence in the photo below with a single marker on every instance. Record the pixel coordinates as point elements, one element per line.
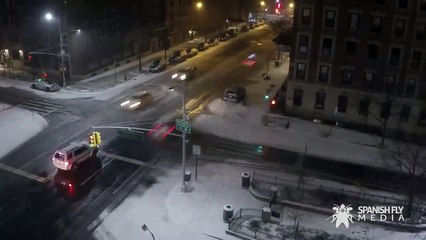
<point>240,224</point>
<point>303,191</point>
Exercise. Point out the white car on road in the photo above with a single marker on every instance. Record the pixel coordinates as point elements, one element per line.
<point>70,156</point>
<point>45,86</point>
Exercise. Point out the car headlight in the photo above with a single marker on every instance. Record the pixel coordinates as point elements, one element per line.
<point>135,105</point>
<point>124,103</point>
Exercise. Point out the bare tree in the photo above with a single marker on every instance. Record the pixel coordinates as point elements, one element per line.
<point>411,160</point>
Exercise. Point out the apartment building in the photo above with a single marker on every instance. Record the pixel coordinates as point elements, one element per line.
<point>359,62</point>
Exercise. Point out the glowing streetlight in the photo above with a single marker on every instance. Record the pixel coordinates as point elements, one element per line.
<point>262,3</point>
<point>78,30</point>
<point>291,5</point>
<point>199,5</point>
<point>48,16</point>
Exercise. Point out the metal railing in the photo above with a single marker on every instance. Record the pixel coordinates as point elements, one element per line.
<point>240,224</point>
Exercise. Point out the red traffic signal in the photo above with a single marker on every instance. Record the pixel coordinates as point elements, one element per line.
<point>29,58</point>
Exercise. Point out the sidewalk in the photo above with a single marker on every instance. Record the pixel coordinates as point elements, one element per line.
<point>244,124</point>
<point>198,214</point>
<point>17,126</point>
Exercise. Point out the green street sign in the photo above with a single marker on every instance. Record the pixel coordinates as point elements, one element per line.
<point>183,126</point>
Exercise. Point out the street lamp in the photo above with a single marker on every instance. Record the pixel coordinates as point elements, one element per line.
<point>199,5</point>
<point>262,3</point>
<point>49,17</point>
<point>185,118</point>
<point>291,5</point>
<point>145,228</point>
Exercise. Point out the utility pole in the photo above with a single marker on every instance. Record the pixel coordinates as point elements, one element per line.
<point>62,53</point>
<point>184,117</point>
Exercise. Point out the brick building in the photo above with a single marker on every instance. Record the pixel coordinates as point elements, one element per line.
<point>354,59</point>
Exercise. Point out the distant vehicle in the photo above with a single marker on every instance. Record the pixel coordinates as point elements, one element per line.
<point>177,57</point>
<point>157,66</point>
<point>189,73</point>
<point>223,37</point>
<point>137,100</point>
<point>45,86</point>
<point>213,42</point>
<point>202,46</point>
<point>244,28</point>
<point>191,52</point>
<point>69,157</point>
<point>234,94</point>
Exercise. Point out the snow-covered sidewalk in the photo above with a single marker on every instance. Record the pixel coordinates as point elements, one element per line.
<point>197,215</point>
<point>18,125</point>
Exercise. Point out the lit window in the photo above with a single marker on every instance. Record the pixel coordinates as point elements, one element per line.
<point>323,73</point>
<point>306,16</point>
<point>301,71</point>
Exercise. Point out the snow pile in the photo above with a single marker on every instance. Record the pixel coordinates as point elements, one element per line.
<point>18,125</point>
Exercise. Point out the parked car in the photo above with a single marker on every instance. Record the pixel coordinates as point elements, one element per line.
<point>231,33</point>
<point>244,28</point>
<point>45,86</point>
<point>213,42</point>
<point>177,57</point>
<point>157,66</point>
<point>223,37</point>
<point>190,52</point>
<point>202,46</point>
<point>69,157</point>
<point>189,73</point>
<point>252,25</point>
<point>137,100</point>
<point>234,94</point>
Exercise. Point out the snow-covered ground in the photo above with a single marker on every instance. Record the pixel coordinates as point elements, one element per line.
<point>17,125</point>
<point>171,214</point>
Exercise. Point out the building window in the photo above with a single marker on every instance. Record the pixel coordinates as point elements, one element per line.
<point>395,57</point>
<point>342,103</point>
<point>320,100</point>
<point>347,75</point>
<point>301,71</point>
<point>323,73</point>
<point>422,118</point>
<point>376,27</point>
<point>390,83</point>
<point>350,48</point>
<point>303,43</point>
<point>405,113</point>
<point>410,88</point>
<point>297,97</point>
<point>422,5</point>
<point>420,31</point>
<point>399,28</point>
<point>364,104</point>
<point>306,16</point>
<point>416,59</point>
<point>403,4</point>
<point>368,79</point>
<point>373,52</point>
<point>327,46</point>
<point>330,18</point>
<point>354,22</point>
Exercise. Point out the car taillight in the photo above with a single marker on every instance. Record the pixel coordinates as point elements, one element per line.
<point>66,163</point>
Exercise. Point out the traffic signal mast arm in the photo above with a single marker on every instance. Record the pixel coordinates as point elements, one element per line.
<point>134,128</point>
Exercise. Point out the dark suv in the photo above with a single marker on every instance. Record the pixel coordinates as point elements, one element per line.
<point>234,94</point>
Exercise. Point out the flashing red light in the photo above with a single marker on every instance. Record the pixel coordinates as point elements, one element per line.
<point>155,128</point>
<point>29,57</point>
<point>69,185</point>
<point>278,5</point>
<point>273,102</point>
<point>169,131</point>
<point>248,62</point>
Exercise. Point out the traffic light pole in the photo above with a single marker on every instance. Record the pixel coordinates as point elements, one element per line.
<point>61,53</point>
<point>184,117</point>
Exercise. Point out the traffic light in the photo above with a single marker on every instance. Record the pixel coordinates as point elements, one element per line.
<point>92,139</point>
<point>98,138</point>
<point>266,97</point>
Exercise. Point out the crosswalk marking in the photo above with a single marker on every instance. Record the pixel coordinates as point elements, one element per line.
<point>43,107</point>
<point>22,173</point>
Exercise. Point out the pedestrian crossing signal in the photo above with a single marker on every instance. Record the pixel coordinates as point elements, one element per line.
<point>92,140</point>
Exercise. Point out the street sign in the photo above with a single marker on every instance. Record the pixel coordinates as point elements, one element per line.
<point>196,150</point>
<point>183,126</point>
